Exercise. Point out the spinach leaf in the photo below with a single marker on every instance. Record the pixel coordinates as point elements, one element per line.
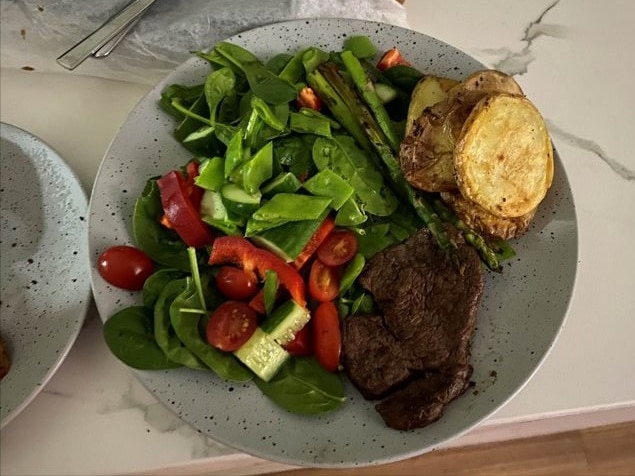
<point>263,83</point>
<point>303,386</point>
<point>294,154</point>
<point>162,245</point>
<point>186,94</point>
<point>130,337</point>
<point>278,62</point>
<point>188,326</point>
<point>194,119</point>
<point>374,238</point>
<point>268,86</point>
<point>156,282</point>
<point>342,155</point>
<point>363,304</point>
<point>219,85</point>
<point>404,77</point>
<point>164,333</point>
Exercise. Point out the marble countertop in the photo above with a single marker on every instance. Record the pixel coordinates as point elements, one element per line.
<point>572,57</point>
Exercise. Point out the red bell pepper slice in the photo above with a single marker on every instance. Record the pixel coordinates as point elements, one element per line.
<point>391,58</point>
<point>316,240</point>
<point>194,192</point>
<point>241,252</point>
<point>308,98</point>
<point>180,212</point>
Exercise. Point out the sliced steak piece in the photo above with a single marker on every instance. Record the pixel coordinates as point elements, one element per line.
<point>428,303</point>
<point>423,400</point>
<point>373,359</point>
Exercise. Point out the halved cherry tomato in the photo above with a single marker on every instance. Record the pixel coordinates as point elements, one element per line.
<point>324,281</point>
<point>302,345</point>
<point>327,336</point>
<point>241,252</point>
<point>236,283</point>
<point>391,58</point>
<point>316,240</point>
<point>180,212</point>
<point>338,248</point>
<point>308,98</point>
<point>231,325</point>
<point>125,267</point>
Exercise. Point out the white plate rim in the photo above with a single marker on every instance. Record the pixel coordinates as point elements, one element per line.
<point>8,132</point>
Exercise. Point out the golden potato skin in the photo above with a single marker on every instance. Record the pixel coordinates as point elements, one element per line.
<point>504,157</point>
<point>427,92</point>
<point>485,223</point>
<point>426,154</point>
<point>493,81</point>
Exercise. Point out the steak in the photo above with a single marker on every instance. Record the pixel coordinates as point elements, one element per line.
<point>417,352</point>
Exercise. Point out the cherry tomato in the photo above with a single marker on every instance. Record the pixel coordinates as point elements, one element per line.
<point>231,325</point>
<point>236,283</point>
<point>302,345</point>
<point>324,281</point>
<point>257,303</point>
<point>327,336</point>
<point>124,266</point>
<point>338,248</point>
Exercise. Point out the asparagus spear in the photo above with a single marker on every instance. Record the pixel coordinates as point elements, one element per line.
<point>488,256</point>
<point>353,114</point>
<point>367,89</point>
<point>337,107</point>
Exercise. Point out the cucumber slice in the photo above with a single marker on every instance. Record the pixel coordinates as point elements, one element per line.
<point>263,355</point>
<point>288,240</point>
<point>238,201</point>
<point>212,206</point>
<point>285,321</point>
<point>385,92</point>
<point>214,213</point>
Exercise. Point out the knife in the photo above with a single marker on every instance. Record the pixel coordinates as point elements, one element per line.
<point>100,37</point>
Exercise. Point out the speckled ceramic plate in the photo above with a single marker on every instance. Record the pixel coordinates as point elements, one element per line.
<point>520,316</point>
<point>44,260</point>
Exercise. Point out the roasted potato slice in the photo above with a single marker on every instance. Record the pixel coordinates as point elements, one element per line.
<point>504,158</point>
<point>490,80</point>
<point>426,155</point>
<point>483,221</point>
<point>428,91</point>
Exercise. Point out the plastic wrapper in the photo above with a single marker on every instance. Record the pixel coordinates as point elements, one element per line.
<point>35,32</point>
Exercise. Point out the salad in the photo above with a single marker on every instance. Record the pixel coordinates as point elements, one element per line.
<point>247,256</point>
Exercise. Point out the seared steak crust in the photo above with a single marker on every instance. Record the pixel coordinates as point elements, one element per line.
<point>422,339</point>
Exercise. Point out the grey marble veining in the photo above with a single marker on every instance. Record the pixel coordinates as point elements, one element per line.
<point>516,62</point>
<point>593,147</point>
